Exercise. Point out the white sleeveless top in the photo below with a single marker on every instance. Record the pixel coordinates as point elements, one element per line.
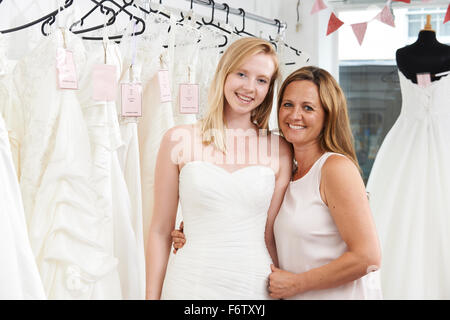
<point>307,238</point>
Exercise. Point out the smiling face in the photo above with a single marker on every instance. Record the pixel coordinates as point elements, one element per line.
<point>246,87</point>
<point>301,115</point>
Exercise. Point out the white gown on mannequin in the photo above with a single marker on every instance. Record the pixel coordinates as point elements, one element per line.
<point>409,188</point>
<point>225,256</point>
<point>69,236</point>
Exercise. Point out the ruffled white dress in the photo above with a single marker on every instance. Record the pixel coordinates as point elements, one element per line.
<point>70,238</point>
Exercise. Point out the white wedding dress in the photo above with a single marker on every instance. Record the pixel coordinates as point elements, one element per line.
<point>409,188</point>
<point>114,201</point>
<point>19,276</point>
<point>224,215</point>
<point>149,56</point>
<point>71,239</point>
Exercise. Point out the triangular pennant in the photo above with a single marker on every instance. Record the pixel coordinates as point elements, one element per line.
<point>447,15</point>
<point>318,6</point>
<point>359,29</point>
<point>333,24</point>
<point>385,16</point>
<point>405,1</point>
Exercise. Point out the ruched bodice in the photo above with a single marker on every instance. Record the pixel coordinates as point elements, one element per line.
<point>224,214</point>
<point>420,103</point>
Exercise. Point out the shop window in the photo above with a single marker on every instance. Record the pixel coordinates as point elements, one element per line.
<point>417,19</point>
<point>369,77</point>
<point>374,101</point>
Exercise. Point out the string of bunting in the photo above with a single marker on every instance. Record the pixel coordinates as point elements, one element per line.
<point>359,29</point>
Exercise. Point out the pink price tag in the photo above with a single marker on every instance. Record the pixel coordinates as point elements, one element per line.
<point>423,79</point>
<point>164,86</point>
<point>104,82</point>
<point>65,69</point>
<point>131,99</point>
<point>188,98</point>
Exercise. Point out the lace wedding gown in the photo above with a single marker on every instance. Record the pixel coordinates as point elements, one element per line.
<point>19,276</point>
<point>409,188</point>
<point>71,240</point>
<point>225,256</point>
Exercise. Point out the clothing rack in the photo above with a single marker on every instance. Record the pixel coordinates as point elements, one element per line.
<point>282,26</point>
<point>51,18</point>
<point>224,7</point>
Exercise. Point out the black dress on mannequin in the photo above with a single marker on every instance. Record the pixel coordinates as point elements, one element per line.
<point>426,55</point>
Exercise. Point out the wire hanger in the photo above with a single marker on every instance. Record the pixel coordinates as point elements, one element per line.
<point>106,10</point>
<point>217,26</point>
<point>47,19</point>
<point>189,15</point>
<point>279,32</point>
<point>156,11</point>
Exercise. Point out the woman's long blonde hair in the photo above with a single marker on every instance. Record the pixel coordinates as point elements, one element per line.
<point>212,125</point>
<point>336,135</point>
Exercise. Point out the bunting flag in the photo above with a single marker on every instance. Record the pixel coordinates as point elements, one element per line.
<point>359,29</point>
<point>447,15</point>
<point>318,6</point>
<point>386,17</point>
<point>333,24</point>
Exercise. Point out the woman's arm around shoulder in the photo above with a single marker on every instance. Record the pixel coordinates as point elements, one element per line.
<point>284,161</point>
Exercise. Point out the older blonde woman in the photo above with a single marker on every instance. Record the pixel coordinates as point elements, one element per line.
<point>326,239</point>
<point>229,175</point>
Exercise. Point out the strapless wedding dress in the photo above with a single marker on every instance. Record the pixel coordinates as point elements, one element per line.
<point>225,256</point>
<point>409,188</point>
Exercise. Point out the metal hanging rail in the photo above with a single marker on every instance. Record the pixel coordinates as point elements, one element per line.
<point>238,12</point>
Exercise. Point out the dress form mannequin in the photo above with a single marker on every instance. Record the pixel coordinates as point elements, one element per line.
<point>426,55</point>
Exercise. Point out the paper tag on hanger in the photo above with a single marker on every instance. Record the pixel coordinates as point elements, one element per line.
<point>189,98</point>
<point>164,86</point>
<point>423,79</point>
<point>131,99</point>
<point>65,69</point>
<point>104,82</point>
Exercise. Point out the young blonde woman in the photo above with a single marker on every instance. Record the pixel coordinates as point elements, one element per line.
<point>229,176</point>
<point>326,241</point>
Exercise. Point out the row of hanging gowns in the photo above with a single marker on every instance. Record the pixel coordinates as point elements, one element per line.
<point>86,173</point>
